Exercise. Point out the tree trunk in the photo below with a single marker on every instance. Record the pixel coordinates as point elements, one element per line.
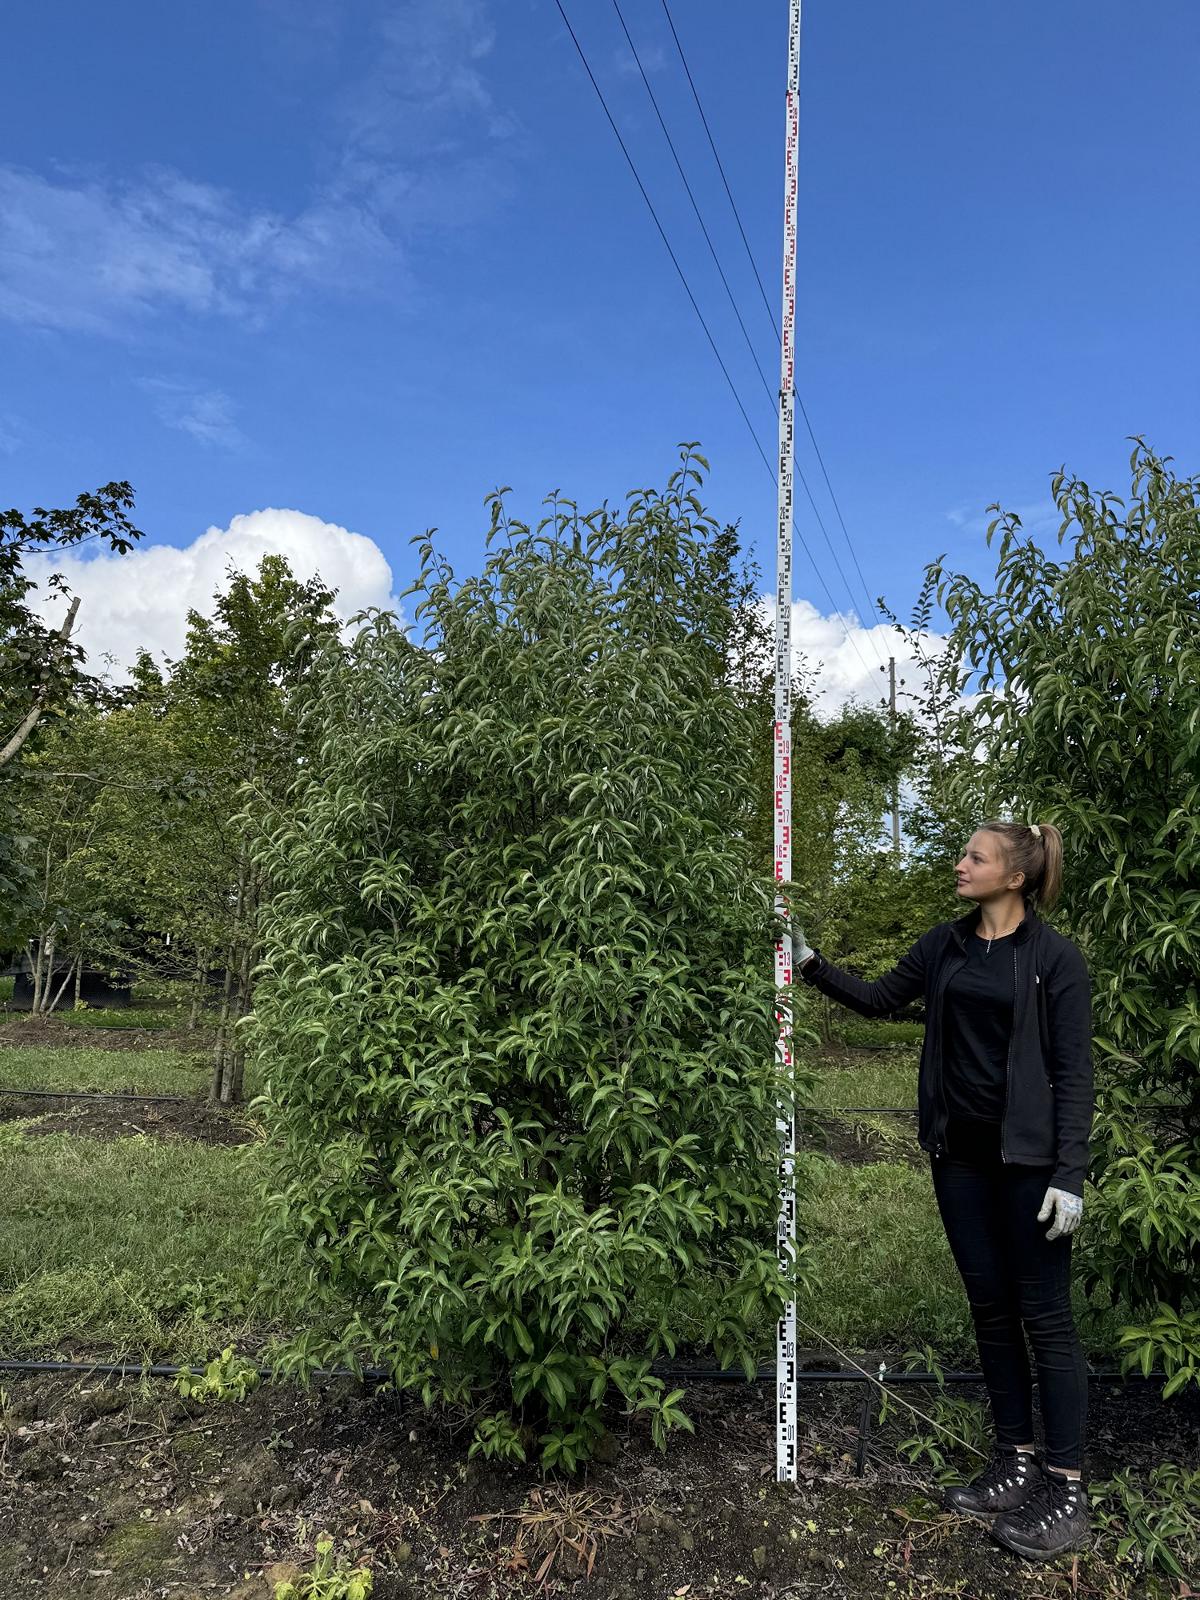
<point>222,1092</point>
<point>197,989</point>
<point>244,993</point>
<point>43,974</point>
<point>78,978</point>
<point>34,715</point>
<point>72,969</point>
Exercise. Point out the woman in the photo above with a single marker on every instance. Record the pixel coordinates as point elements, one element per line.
<point>1005,1103</point>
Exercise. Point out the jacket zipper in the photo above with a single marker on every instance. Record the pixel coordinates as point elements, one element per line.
<point>938,1147</point>
<point>1008,1061</point>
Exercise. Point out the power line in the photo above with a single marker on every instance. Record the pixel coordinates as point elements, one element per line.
<point>720,168</point>
<point>872,605</point>
<point>872,608</point>
<point>700,314</point>
<point>772,395</point>
<point>696,308</point>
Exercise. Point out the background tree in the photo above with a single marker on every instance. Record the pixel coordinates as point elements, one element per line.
<point>235,679</point>
<point>1088,714</point>
<point>517,1004</point>
<point>41,666</point>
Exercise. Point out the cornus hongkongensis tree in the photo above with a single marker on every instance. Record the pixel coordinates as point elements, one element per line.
<point>516,1005</point>
<point>1089,716</point>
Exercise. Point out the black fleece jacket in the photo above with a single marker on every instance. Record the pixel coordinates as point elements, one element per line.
<point>1048,1104</point>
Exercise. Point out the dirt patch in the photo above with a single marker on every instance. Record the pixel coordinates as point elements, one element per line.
<point>22,1032</point>
<point>856,1144</point>
<point>121,1119</point>
<point>117,1492</point>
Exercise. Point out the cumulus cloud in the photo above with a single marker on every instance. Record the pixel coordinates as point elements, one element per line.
<point>142,599</point>
<point>848,661</point>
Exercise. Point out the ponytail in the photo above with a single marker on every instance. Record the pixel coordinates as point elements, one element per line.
<point>1036,849</point>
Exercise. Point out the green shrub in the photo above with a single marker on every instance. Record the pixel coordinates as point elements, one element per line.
<point>516,1007</point>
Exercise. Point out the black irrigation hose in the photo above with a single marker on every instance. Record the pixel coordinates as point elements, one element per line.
<point>93,1094</point>
<point>765,1374</point>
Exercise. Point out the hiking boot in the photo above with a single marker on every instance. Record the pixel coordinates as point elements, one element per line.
<point>1053,1519</point>
<point>1004,1484</point>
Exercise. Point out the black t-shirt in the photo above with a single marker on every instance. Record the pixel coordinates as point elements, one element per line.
<point>979,1022</point>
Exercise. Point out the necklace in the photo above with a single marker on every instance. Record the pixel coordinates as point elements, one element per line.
<point>1003,935</point>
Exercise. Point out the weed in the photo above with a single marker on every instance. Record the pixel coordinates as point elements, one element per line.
<point>227,1377</point>
<point>329,1578</point>
<point>1152,1513</point>
<point>556,1525</point>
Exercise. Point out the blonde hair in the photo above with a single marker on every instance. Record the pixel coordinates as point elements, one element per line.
<point>1036,849</point>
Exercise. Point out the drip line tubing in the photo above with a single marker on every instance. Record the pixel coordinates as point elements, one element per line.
<point>92,1094</point>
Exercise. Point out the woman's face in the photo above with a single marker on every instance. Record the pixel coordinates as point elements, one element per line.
<point>983,873</point>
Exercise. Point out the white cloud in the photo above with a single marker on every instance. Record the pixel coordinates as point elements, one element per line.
<point>86,254</point>
<point>1037,517</point>
<point>653,60</point>
<point>407,145</point>
<point>206,414</point>
<point>12,435</point>
<point>847,660</point>
<point>142,599</point>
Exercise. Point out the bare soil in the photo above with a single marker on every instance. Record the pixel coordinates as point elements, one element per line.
<point>111,1118</point>
<point>24,1032</point>
<point>856,1144</point>
<point>124,1491</point>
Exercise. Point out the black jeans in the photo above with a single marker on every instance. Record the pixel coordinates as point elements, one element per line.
<point>1018,1282</point>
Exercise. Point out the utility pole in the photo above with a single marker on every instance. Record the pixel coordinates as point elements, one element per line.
<point>785,1114</point>
<point>896,780</point>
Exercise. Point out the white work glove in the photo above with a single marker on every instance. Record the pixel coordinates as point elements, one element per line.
<point>1067,1209</point>
<point>802,951</point>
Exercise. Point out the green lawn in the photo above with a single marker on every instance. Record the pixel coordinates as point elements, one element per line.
<point>105,1071</point>
<point>867,1080</point>
<point>140,1246</point>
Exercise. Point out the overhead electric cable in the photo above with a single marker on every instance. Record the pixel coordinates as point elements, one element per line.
<point>720,168</point>
<point>771,394</point>
<point>872,607</point>
<point>696,308</point>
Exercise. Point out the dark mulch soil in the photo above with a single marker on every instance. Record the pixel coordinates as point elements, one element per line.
<point>122,1492</point>
<point>21,1032</point>
<point>121,1119</point>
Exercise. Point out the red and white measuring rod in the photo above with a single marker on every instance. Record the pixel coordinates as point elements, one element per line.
<point>785,1116</point>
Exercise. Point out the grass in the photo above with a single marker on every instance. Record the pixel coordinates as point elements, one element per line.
<point>140,1246</point>
<point>867,1034</point>
<point>105,1071</point>
<point>128,1018</point>
<point>875,1080</point>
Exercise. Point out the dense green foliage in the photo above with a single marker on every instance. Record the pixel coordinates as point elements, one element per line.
<point>516,1007</point>
<point>1089,716</point>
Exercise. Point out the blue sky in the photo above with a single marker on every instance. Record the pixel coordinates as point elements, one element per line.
<point>366,261</point>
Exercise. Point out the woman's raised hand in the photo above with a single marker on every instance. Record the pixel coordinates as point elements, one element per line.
<point>802,951</point>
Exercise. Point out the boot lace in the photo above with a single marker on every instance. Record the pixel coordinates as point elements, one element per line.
<point>1050,1501</point>
<point>1005,1470</point>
